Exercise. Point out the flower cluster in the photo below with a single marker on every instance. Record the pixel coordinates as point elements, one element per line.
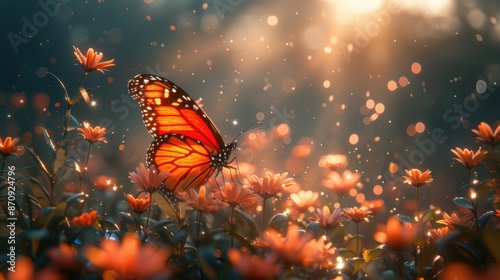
<point>259,227</point>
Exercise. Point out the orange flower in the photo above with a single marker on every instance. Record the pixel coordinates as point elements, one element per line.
<point>487,135</point>
<point>317,254</point>
<point>397,235</point>
<point>139,205</point>
<point>376,206</point>
<point>437,233</point>
<point>341,183</point>
<point>200,201</point>
<point>26,269</point>
<point>356,214</point>
<point>235,196</point>
<point>85,219</point>
<point>468,158</point>
<point>449,220</point>
<point>93,134</point>
<point>333,162</point>
<point>252,267</point>
<point>128,260</point>
<point>328,220</point>
<point>465,271</point>
<point>150,180</point>
<point>303,200</point>
<point>64,257</point>
<point>92,61</point>
<point>417,178</point>
<point>290,249</point>
<point>8,147</point>
<point>271,185</point>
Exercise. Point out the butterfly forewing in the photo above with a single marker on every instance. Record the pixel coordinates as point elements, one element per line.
<point>168,109</point>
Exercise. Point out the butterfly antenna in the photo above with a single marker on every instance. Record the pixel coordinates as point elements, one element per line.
<point>246,130</point>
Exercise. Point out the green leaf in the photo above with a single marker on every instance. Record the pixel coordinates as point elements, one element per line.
<point>40,193</point>
<point>248,223</point>
<point>404,219</point>
<point>76,98</point>
<point>66,96</point>
<point>48,139</point>
<point>129,221</point>
<point>279,222</point>
<point>428,215</point>
<point>313,228</point>
<point>209,263</point>
<point>346,253</point>
<point>156,226</point>
<point>73,123</point>
<point>165,206</point>
<point>49,219</point>
<point>180,236</point>
<point>466,231</point>
<point>84,94</point>
<point>60,160</point>
<point>357,263</point>
<point>370,255</point>
<point>467,252</point>
<point>38,161</point>
<point>244,241</point>
<point>108,225</point>
<point>463,202</point>
<point>33,201</point>
<point>483,220</point>
<point>72,199</point>
<point>353,243</point>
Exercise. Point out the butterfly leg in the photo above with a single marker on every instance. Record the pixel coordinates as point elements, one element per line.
<point>237,171</point>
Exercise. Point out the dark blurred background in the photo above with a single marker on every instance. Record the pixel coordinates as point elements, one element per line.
<point>369,79</point>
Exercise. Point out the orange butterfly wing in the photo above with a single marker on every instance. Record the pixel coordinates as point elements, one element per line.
<point>188,161</point>
<point>166,109</point>
<point>187,144</point>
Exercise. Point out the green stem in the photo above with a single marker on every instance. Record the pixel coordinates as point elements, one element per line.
<point>138,224</point>
<point>85,167</point>
<point>3,164</point>
<point>357,239</point>
<point>231,225</point>
<point>198,218</point>
<point>149,215</point>
<point>472,189</point>
<point>70,106</point>
<point>421,237</point>
<point>264,213</point>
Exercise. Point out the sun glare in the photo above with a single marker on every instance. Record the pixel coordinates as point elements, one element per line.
<point>349,10</point>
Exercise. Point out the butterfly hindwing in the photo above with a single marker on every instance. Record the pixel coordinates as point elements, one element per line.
<point>187,159</point>
<point>168,109</point>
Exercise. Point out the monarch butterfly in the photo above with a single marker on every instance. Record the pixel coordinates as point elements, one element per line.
<point>186,142</point>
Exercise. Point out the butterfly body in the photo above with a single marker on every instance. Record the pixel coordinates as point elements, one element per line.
<point>186,142</point>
